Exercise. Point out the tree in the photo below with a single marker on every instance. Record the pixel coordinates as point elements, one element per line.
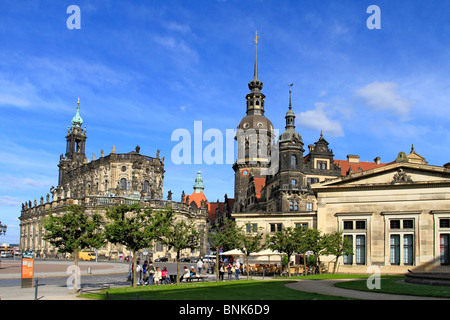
<point>135,228</point>
<point>182,235</point>
<point>224,236</point>
<point>74,231</point>
<point>337,245</point>
<point>285,241</point>
<point>250,242</point>
<point>315,243</point>
<point>301,242</point>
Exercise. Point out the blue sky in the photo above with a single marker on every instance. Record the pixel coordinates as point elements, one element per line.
<point>143,69</point>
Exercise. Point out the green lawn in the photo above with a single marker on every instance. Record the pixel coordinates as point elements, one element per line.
<point>396,285</point>
<point>227,290</point>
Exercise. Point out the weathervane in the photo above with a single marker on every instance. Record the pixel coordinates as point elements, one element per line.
<point>256,38</point>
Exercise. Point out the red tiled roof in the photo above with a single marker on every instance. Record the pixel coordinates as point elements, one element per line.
<point>197,198</point>
<point>259,183</point>
<point>356,167</point>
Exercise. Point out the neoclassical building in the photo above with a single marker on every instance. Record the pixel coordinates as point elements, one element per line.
<point>96,184</point>
<point>396,214</point>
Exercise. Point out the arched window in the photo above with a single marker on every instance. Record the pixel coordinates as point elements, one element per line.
<point>123,184</point>
<point>146,186</point>
<point>293,162</point>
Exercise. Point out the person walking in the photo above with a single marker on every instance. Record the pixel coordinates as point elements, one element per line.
<point>221,270</point>
<point>229,270</point>
<point>237,268</point>
<point>199,266</point>
<point>151,272</point>
<point>138,273</point>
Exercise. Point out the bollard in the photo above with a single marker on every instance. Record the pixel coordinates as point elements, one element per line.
<point>35,289</point>
<point>89,270</point>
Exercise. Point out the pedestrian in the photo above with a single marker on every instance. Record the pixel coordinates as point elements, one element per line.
<point>145,272</point>
<point>206,266</point>
<point>138,273</point>
<point>151,272</point>
<point>200,266</point>
<point>221,270</point>
<point>229,270</point>
<point>237,267</point>
<point>157,276</point>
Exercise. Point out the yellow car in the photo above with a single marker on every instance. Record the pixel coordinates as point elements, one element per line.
<point>88,256</point>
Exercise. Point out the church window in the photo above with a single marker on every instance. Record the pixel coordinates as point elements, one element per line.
<point>293,182</point>
<point>309,206</point>
<point>146,186</point>
<point>123,184</point>
<point>293,162</point>
<point>291,206</point>
<point>124,168</point>
<point>295,206</point>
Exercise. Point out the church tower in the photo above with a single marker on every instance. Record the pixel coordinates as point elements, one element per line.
<point>75,146</point>
<point>254,137</point>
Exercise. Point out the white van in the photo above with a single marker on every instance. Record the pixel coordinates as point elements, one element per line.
<point>209,258</point>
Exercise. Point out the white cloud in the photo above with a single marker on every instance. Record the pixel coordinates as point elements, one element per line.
<point>9,201</point>
<point>385,96</point>
<point>319,119</point>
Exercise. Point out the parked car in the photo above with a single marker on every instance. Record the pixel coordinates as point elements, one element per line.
<point>185,260</point>
<point>5,254</point>
<point>162,259</point>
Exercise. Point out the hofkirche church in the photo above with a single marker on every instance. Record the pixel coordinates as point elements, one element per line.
<point>397,213</point>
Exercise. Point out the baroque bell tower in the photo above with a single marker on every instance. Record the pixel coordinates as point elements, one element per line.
<point>75,146</point>
<point>254,137</point>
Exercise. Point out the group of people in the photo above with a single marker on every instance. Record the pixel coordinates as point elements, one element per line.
<point>229,267</point>
<point>148,274</point>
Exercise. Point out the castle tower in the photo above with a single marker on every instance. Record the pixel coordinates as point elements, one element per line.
<point>291,150</point>
<point>254,139</point>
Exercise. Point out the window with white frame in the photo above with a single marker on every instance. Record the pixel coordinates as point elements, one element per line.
<point>401,240</point>
<point>355,230</point>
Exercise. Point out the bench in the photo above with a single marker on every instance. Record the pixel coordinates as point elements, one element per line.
<point>189,279</point>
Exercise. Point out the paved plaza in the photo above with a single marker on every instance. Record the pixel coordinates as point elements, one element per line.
<point>53,277</point>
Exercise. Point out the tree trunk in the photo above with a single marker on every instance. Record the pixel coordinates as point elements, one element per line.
<point>134,267</point>
<point>335,265</point>
<point>247,265</point>
<point>217,264</point>
<point>178,266</point>
<point>75,281</point>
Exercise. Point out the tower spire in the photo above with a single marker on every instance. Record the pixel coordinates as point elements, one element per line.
<point>255,85</point>
<point>77,121</point>
<point>255,73</point>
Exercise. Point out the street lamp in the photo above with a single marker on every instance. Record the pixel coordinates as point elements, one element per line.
<point>2,228</point>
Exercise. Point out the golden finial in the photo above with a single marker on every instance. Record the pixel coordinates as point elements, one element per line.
<point>256,38</point>
<point>78,101</point>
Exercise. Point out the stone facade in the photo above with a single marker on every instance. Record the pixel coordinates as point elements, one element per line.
<point>396,214</point>
<point>110,180</point>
